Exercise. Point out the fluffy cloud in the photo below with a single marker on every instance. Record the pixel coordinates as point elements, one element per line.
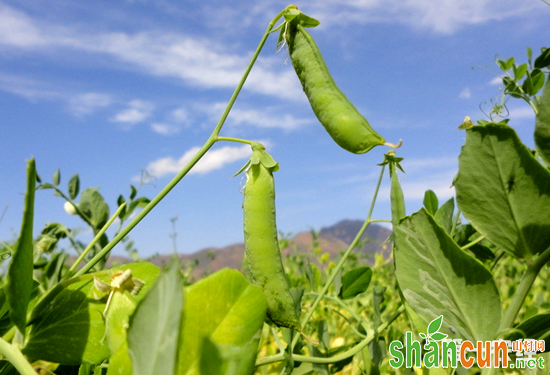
<point>137,111</point>
<point>214,159</point>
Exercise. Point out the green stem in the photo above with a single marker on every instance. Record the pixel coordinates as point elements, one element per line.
<point>533,269</point>
<point>16,358</point>
<point>499,256</point>
<point>342,260</point>
<point>340,357</point>
<point>455,223</point>
<point>344,306</point>
<point>238,140</point>
<point>477,240</point>
<point>533,106</point>
<point>278,341</point>
<point>202,151</point>
<point>94,241</point>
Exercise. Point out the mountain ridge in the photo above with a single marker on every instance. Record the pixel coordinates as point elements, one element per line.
<point>332,239</point>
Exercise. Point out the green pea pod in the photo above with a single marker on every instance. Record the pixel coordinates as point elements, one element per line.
<point>542,125</point>
<point>261,242</point>
<point>349,129</point>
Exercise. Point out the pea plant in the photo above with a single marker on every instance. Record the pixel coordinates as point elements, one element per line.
<point>471,268</point>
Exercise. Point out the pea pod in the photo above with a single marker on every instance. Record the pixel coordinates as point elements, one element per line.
<point>542,125</point>
<point>347,127</point>
<point>261,242</point>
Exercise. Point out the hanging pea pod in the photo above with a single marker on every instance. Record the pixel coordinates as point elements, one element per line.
<point>261,241</point>
<point>344,123</point>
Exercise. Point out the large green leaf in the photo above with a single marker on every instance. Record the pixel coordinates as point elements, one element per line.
<point>19,281</point>
<point>542,125</point>
<point>438,278</point>
<point>153,333</point>
<point>504,191</point>
<point>225,308</point>
<point>67,325</point>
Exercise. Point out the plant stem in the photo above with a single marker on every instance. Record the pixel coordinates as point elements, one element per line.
<point>202,151</point>
<point>531,273</point>
<point>94,241</point>
<point>477,240</point>
<point>16,358</point>
<point>344,306</point>
<point>238,140</point>
<point>348,353</point>
<point>342,260</point>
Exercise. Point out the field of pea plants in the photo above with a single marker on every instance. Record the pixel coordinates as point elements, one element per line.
<point>466,289</point>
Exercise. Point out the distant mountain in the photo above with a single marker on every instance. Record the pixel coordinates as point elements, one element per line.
<point>333,239</point>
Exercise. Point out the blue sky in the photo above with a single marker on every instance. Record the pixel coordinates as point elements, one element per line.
<point>108,88</point>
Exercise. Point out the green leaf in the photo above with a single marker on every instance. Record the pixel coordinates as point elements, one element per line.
<point>437,278</point>
<point>512,88</point>
<point>355,282</point>
<point>19,278</point>
<point>431,203</point>
<point>543,60</point>
<point>211,361</point>
<point>503,191</point>
<point>438,336</point>
<point>502,65</point>
<point>435,325</point>
<point>510,63</point>
<point>481,252</point>
<point>152,336</point>
<point>228,310</point>
<point>519,72</point>
<point>133,192</point>
<point>74,186</point>
<point>67,326</point>
<point>117,320</point>
<point>7,368</point>
<point>306,21</point>
<point>542,125</point>
<point>538,80</point>
<point>533,83</point>
<point>377,300</point>
<point>536,327</point>
<point>94,207</point>
<point>444,215</point>
<point>119,362</point>
<point>56,177</point>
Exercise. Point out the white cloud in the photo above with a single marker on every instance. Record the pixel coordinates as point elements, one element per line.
<point>198,62</point>
<point>270,117</point>
<point>180,115</point>
<point>83,104</point>
<point>465,93</point>
<point>496,81</point>
<point>165,129</point>
<point>29,88</point>
<point>429,163</point>
<point>17,29</point>
<point>415,186</point>
<point>79,104</point>
<point>137,111</point>
<point>440,16</point>
<point>213,160</point>
<point>522,113</point>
